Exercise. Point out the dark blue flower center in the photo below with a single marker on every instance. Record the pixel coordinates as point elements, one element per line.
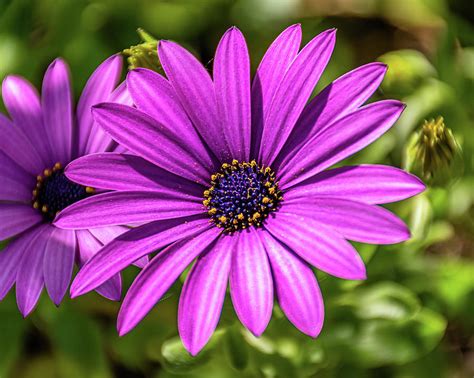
<point>54,192</point>
<point>242,195</point>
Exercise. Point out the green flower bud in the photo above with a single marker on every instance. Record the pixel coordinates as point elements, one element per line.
<point>144,54</point>
<point>434,154</point>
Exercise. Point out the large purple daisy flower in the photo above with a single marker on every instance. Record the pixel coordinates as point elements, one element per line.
<point>42,136</point>
<point>233,175</point>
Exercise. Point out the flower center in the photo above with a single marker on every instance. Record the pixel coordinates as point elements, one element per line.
<point>241,195</point>
<point>54,192</point>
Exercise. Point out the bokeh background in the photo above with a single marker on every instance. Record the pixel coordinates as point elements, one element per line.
<point>413,317</point>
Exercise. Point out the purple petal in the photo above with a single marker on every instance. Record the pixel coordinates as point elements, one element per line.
<point>232,85</point>
<point>158,276</point>
<point>293,93</point>
<point>296,287</point>
<point>353,220</point>
<point>149,139</point>
<point>99,140</point>
<point>57,104</point>
<point>154,95</point>
<point>251,285</point>
<point>16,183</point>
<point>113,171</point>
<point>23,104</point>
<point>131,246</point>
<point>341,97</point>
<point>371,184</point>
<point>316,243</point>
<point>202,296</point>
<point>10,258</point>
<point>30,279</point>
<point>268,77</point>
<point>16,218</point>
<point>98,89</point>
<point>58,263</point>
<point>88,247</point>
<point>18,148</point>
<point>195,91</point>
<point>119,208</point>
<point>344,138</point>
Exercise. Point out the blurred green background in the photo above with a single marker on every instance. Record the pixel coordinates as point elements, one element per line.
<point>413,317</point>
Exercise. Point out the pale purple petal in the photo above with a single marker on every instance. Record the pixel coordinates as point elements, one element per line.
<point>317,244</point>
<point>339,98</point>
<point>344,138</point>
<point>97,89</point>
<point>119,208</point>
<point>17,184</point>
<point>16,218</point>
<point>23,104</point>
<point>353,220</point>
<point>195,90</point>
<point>371,184</point>
<point>18,147</point>
<point>293,93</point>
<point>158,276</point>
<point>131,246</point>
<point>151,140</point>
<point>88,246</point>
<point>296,287</point>
<point>203,293</point>
<point>268,77</point>
<point>113,171</point>
<point>232,85</point>
<point>57,104</point>
<point>251,285</point>
<point>30,278</point>
<point>58,263</point>
<point>10,258</point>
<point>154,95</point>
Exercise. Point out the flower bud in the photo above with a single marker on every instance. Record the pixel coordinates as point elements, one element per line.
<point>144,54</point>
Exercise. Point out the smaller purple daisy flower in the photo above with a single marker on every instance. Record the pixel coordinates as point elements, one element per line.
<point>42,137</point>
<point>233,176</point>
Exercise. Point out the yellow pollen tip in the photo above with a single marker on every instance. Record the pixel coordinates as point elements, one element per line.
<point>212,211</point>
<point>271,190</point>
<point>206,193</point>
<point>39,178</point>
<point>235,162</point>
<point>206,202</point>
<point>47,172</point>
<point>222,219</point>
<point>44,209</point>
<point>57,167</point>
<point>36,205</point>
<point>213,177</point>
<point>256,216</point>
<point>240,216</point>
<point>90,190</point>
<point>266,200</point>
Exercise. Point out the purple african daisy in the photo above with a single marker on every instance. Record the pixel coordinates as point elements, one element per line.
<point>43,136</point>
<point>233,176</point>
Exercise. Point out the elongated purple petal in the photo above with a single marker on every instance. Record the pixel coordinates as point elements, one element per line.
<point>195,90</point>
<point>232,85</point>
<point>294,92</point>
<point>30,278</point>
<point>339,98</point>
<point>57,104</point>
<point>158,276</point>
<point>131,246</point>
<point>23,104</point>
<point>296,287</point>
<point>99,140</point>
<point>98,89</point>
<point>18,147</point>
<point>16,218</point>
<point>58,263</point>
<point>202,296</point>
<point>317,244</point>
<point>113,171</point>
<point>16,183</point>
<point>88,246</point>
<point>268,77</point>
<point>10,258</point>
<point>353,220</point>
<point>151,140</point>
<point>154,95</point>
<point>251,285</point>
<point>344,138</point>
<point>371,184</point>
<point>116,208</point>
